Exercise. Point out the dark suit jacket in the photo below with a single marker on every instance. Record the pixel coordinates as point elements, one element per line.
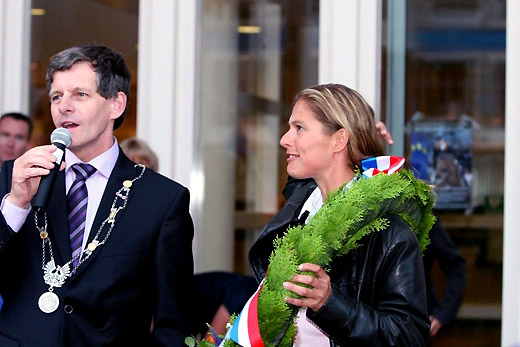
<point>145,269</point>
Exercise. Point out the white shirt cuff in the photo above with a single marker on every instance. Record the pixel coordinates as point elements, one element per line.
<point>14,216</point>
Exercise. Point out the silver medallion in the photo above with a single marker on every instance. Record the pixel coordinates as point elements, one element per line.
<point>55,275</point>
<point>48,302</point>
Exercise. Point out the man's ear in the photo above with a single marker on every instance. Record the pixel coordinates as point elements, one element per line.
<point>340,140</point>
<point>118,104</point>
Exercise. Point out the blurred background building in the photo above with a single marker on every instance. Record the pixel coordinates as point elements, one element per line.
<point>212,89</point>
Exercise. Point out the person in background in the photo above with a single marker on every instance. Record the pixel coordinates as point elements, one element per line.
<point>15,134</point>
<point>114,246</point>
<point>452,264</point>
<point>139,152</point>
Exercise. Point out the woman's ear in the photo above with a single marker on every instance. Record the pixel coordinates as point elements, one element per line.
<point>341,140</point>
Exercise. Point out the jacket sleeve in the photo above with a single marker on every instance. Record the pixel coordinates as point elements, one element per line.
<point>174,275</point>
<point>5,231</point>
<point>453,266</point>
<point>398,314</point>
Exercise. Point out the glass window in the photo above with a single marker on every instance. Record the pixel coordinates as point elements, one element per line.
<point>454,111</point>
<point>58,25</point>
<point>256,55</point>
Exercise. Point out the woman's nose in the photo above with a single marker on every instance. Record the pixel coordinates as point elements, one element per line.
<point>284,140</point>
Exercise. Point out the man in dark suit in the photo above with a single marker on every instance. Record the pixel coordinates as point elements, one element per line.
<point>128,257</point>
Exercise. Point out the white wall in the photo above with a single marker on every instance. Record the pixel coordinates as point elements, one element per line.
<point>15,48</point>
<point>350,46</point>
<point>168,91</point>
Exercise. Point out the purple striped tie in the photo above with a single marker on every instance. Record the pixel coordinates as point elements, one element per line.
<point>77,199</point>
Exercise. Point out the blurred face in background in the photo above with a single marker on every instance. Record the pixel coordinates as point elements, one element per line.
<point>14,138</point>
<point>139,159</point>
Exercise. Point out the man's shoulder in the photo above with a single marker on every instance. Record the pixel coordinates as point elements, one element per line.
<point>159,186</point>
<point>150,178</point>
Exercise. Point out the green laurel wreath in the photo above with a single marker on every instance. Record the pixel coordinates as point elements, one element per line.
<point>336,229</point>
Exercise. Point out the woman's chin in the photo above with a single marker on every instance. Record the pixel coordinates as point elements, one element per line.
<point>297,175</point>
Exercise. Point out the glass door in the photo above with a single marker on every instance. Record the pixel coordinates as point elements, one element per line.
<point>453,115</point>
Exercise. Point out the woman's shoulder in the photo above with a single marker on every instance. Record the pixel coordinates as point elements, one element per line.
<point>398,231</point>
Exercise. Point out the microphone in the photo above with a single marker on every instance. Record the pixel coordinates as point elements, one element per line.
<point>61,138</point>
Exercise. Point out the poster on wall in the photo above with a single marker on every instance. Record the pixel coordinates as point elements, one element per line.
<point>440,154</point>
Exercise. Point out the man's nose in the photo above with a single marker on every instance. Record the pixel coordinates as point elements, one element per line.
<point>10,141</point>
<point>66,105</point>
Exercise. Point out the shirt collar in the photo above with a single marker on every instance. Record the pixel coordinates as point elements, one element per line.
<point>104,163</point>
<point>315,201</point>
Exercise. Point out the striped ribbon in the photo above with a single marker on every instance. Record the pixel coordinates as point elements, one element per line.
<point>386,164</point>
<point>245,330</point>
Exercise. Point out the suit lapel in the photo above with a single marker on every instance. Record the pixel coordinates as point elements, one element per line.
<point>123,170</point>
<point>57,218</point>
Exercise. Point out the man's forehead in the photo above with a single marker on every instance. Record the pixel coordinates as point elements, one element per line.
<point>85,74</point>
<point>76,66</point>
<point>10,123</point>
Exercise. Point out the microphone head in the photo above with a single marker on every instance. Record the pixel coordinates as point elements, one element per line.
<point>61,135</point>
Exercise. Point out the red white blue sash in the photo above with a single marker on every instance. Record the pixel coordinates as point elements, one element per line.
<point>245,330</point>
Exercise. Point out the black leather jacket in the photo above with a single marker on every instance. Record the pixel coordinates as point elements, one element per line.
<point>378,291</point>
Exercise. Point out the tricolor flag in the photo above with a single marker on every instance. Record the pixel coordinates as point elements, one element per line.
<point>386,164</point>
<point>245,330</point>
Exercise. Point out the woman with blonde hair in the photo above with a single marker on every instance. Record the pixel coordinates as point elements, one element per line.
<point>341,263</point>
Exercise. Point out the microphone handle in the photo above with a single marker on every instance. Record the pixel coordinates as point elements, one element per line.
<point>41,198</point>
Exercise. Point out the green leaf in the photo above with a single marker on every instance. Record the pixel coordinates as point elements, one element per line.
<point>190,341</point>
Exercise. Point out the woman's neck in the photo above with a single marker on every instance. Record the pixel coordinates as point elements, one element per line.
<point>333,180</point>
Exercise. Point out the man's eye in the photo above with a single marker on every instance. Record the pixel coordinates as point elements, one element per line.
<point>81,94</point>
<point>56,98</point>
<point>299,127</point>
